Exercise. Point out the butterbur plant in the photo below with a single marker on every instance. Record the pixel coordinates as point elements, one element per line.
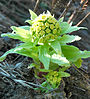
<point>46,41</point>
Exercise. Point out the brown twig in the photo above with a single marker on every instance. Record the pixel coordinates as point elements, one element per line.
<point>84,4</point>
<point>36,6</point>
<point>83,19</point>
<point>73,16</point>
<point>66,9</point>
<point>81,7</point>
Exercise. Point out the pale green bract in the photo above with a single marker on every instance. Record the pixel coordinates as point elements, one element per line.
<point>45,41</point>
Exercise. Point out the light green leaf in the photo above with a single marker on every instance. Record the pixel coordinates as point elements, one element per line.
<point>25,49</point>
<point>78,63</point>
<point>14,36</point>
<point>33,65</point>
<point>61,20</point>
<point>72,53</point>
<point>22,33</point>
<point>56,46</point>
<point>67,28</point>
<point>74,28</point>
<point>63,74</point>
<point>68,39</point>
<point>44,56</point>
<point>29,21</point>
<point>33,15</point>
<point>45,70</point>
<point>25,27</point>
<point>84,54</point>
<point>62,61</point>
<point>64,68</point>
<point>64,27</point>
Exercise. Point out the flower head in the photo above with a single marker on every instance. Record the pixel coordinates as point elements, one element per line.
<point>53,78</point>
<point>46,27</point>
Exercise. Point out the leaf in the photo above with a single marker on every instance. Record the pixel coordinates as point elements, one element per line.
<point>22,33</point>
<point>53,66</point>
<point>84,54</point>
<point>56,46</point>
<point>63,74</point>
<point>44,56</point>
<point>25,27</point>
<point>64,27</point>
<point>29,21</point>
<point>45,70</point>
<point>17,35</point>
<point>25,49</point>
<point>14,36</point>
<point>33,15</point>
<point>72,53</point>
<point>68,39</point>
<point>33,65</point>
<point>62,61</point>
<point>78,63</point>
<point>61,20</point>
<point>67,28</point>
<point>74,28</point>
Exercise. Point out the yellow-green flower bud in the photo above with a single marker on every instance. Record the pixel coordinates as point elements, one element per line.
<point>57,25</point>
<point>52,37</point>
<point>43,17</point>
<point>42,32</point>
<point>38,29</point>
<point>43,27</point>
<point>48,30</point>
<point>53,78</point>
<point>52,26</point>
<point>40,23</point>
<point>54,31</point>
<point>47,24</point>
<point>59,79</point>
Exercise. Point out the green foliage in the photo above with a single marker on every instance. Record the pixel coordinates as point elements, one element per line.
<point>56,46</point>
<point>62,61</point>
<point>45,41</point>
<point>67,28</point>
<point>44,56</point>
<point>72,53</point>
<point>33,15</point>
<point>21,33</point>
<point>78,63</point>
<point>68,39</point>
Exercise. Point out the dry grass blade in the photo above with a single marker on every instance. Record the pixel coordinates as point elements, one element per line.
<point>85,5</point>
<point>83,19</point>
<point>80,8</point>
<point>73,16</point>
<point>82,1</point>
<point>36,6</point>
<point>66,9</point>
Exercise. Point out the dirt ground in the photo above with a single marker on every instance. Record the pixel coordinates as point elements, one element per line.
<point>15,78</point>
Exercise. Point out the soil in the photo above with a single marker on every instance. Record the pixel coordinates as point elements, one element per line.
<point>16,79</point>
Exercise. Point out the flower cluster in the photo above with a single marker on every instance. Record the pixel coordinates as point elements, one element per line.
<point>53,78</point>
<point>45,27</point>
